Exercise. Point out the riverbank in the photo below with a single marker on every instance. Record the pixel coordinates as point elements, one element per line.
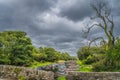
<point>36,64</point>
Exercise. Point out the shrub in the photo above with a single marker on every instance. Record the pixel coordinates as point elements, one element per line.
<point>61,78</point>
<point>21,78</point>
<point>5,61</point>
<point>90,59</point>
<point>94,58</point>
<point>83,53</point>
<point>99,66</point>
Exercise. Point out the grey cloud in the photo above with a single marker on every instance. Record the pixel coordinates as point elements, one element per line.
<point>22,13</point>
<point>115,6</point>
<point>78,11</point>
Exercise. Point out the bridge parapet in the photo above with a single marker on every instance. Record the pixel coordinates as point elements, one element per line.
<point>22,73</point>
<point>74,75</point>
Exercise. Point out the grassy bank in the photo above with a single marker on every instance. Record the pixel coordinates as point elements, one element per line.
<point>36,64</point>
<point>83,67</point>
<point>61,78</point>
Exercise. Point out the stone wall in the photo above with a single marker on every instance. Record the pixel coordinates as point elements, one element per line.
<point>22,73</point>
<point>93,75</point>
<point>8,72</point>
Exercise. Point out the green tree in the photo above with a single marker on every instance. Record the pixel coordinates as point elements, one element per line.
<point>15,48</point>
<point>83,53</point>
<point>51,54</point>
<point>65,56</point>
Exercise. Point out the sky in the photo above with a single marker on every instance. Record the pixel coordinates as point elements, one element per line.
<point>54,23</point>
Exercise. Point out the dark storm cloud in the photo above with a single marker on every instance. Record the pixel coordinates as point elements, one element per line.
<point>78,10</point>
<point>21,13</point>
<point>115,5</point>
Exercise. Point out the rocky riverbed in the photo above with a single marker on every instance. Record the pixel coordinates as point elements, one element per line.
<point>61,68</point>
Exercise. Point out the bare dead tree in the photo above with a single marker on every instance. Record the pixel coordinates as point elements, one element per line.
<point>106,23</point>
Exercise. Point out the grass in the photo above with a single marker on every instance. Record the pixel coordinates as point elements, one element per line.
<point>36,64</point>
<point>83,67</point>
<point>60,61</point>
<point>61,78</point>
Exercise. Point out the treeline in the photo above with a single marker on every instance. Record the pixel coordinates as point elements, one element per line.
<point>101,58</point>
<point>17,49</point>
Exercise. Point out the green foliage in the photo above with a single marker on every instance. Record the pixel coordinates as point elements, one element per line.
<point>110,61</point>
<point>47,54</point>
<point>21,55</point>
<point>36,64</point>
<point>15,48</point>
<point>51,55</point>
<point>21,77</point>
<point>65,56</point>
<point>5,60</point>
<point>94,58</point>
<point>113,57</point>
<point>91,55</point>
<point>90,59</point>
<point>61,78</point>
<point>83,67</point>
<point>83,53</point>
<point>100,66</point>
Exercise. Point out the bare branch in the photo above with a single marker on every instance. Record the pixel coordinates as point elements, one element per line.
<point>95,40</point>
<point>95,44</point>
<point>89,28</point>
<point>86,32</point>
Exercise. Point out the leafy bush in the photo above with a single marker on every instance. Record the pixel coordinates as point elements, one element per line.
<point>83,53</point>
<point>94,58</point>
<point>90,59</point>
<point>21,77</point>
<point>5,61</point>
<point>61,78</point>
<point>111,61</point>
<point>99,66</point>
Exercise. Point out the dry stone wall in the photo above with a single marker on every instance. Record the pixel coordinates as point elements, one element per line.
<point>72,75</point>
<point>8,72</point>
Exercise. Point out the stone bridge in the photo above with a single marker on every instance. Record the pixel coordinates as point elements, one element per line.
<point>74,75</point>
<point>8,72</point>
